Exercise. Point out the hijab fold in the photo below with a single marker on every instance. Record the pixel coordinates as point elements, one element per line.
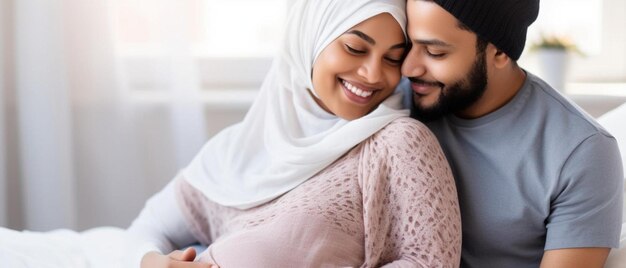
<point>286,137</point>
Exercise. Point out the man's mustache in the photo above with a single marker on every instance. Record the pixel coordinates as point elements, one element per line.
<point>426,83</point>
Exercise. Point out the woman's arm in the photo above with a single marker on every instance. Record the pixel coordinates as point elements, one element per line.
<point>160,226</point>
<point>410,204</point>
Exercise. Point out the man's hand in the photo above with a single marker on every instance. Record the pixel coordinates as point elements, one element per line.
<point>176,259</point>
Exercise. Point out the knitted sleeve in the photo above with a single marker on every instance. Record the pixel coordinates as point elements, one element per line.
<point>410,206</point>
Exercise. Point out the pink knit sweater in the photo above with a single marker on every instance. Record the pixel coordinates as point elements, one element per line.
<point>391,200</point>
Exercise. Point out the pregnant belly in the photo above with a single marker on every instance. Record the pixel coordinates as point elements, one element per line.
<point>294,241</point>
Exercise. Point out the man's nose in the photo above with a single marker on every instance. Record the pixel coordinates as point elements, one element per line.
<point>413,65</point>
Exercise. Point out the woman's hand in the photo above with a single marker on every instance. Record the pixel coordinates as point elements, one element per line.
<point>176,259</point>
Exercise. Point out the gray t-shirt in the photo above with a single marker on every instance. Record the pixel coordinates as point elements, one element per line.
<point>537,174</point>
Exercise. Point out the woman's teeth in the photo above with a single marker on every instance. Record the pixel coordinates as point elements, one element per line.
<point>357,91</point>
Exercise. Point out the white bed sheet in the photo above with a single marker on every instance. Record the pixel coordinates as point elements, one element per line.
<point>112,247</point>
<point>94,248</point>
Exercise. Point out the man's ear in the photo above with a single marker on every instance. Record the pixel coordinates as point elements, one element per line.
<point>500,59</point>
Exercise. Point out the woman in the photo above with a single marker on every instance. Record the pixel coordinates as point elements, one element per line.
<point>325,169</point>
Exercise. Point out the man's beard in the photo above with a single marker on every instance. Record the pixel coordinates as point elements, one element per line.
<point>457,97</point>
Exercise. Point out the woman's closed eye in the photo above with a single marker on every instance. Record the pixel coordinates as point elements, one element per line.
<point>354,50</point>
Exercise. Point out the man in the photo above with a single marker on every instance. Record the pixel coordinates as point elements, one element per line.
<point>539,181</point>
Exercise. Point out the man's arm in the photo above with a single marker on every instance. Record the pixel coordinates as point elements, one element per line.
<point>586,214</point>
<point>575,258</point>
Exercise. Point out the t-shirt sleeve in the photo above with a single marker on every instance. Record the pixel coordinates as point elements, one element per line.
<point>586,211</point>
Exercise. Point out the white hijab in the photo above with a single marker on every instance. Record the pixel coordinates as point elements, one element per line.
<point>286,138</point>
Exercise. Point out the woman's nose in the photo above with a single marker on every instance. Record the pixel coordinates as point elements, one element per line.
<point>371,70</point>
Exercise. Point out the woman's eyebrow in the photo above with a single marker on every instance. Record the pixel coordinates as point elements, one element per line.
<point>371,41</point>
<point>363,36</point>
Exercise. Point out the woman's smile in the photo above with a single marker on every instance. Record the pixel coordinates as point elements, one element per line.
<point>356,92</point>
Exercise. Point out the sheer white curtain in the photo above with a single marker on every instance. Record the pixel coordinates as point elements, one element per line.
<point>77,149</point>
<point>3,177</point>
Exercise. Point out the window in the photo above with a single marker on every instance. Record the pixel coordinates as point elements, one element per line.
<point>596,27</point>
<point>578,20</point>
<point>221,45</point>
<point>227,46</point>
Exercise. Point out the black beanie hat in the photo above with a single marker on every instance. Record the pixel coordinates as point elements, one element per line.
<point>500,22</point>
